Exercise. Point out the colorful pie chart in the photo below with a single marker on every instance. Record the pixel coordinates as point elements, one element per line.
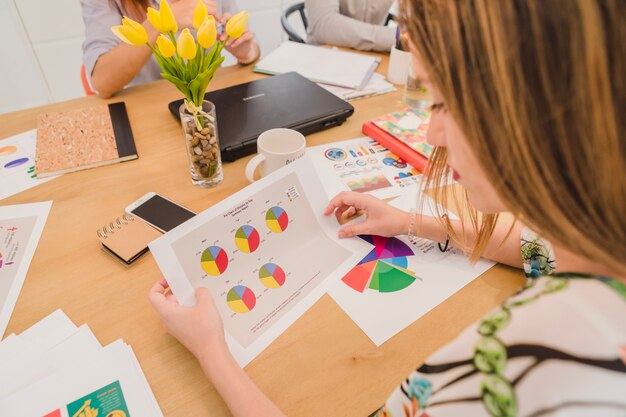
<point>214,260</point>
<point>247,239</point>
<point>272,275</point>
<point>384,268</point>
<point>241,299</point>
<point>277,219</point>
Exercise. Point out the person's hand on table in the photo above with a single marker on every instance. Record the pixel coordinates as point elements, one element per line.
<point>199,328</point>
<point>244,48</point>
<point>381,218</point>
<point>183,11</point>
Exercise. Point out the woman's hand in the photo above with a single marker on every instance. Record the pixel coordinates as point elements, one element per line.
<point>199,328</point>
<point>183,11</point>
<point>380,218</point>
<point>244,48</point>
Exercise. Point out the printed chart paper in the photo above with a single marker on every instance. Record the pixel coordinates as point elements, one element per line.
<point>266,254</point>
<point>401,280</point>
<point>17,164</point>
<point>20,230</point>
<point>362,165</point>
<point>62,370</point>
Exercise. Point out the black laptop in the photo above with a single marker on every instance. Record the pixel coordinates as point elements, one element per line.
<point>288,100</point>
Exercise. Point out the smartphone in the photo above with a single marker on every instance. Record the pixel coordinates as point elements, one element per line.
<point>159,212</point>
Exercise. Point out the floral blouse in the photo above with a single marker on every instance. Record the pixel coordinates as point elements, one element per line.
<point>556,348</point>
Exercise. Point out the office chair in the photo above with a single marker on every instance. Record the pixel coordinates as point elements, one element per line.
<point>284,20</point>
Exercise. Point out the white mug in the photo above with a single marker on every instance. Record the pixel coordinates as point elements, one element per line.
<point>276,148</point>
<point>398,69</point>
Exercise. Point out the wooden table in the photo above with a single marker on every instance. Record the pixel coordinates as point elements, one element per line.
<point>322,365</point>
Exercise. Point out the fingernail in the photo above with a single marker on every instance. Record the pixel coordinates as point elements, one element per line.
<point>341,234</point>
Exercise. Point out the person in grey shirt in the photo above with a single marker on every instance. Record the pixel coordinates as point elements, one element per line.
<point>357,24</point>
<point>111,65</point>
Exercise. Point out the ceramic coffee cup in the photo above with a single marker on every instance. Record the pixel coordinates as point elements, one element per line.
<point>276,148</point>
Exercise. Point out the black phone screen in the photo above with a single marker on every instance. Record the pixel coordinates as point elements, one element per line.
<point>162,213</point>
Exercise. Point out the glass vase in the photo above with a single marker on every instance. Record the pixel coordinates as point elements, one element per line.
<point>203,145</point>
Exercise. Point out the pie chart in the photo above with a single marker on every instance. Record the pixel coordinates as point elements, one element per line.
<point>272,275</point>
<point>247,239</point>
<point>384,268</point>
<point>214,260</point>
<point>241,299</point>
<point>277,219</point>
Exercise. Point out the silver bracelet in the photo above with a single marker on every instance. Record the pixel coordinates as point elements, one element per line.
<point>411,234</point>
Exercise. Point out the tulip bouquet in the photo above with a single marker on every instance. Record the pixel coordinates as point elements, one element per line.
<point>190,66</point>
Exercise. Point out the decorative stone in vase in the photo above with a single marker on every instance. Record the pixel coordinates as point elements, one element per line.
<point>203,146</point>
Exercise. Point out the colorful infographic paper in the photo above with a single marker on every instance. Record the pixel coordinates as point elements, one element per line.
<point>362,165</point>
<point>20,230</point>
<point>57,369</point>
<point>266,254</point>
<point>401,280</point>
<point>107,401</point>
<point>17,164</point>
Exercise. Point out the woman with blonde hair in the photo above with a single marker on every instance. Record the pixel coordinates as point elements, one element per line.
<point>529,103</point>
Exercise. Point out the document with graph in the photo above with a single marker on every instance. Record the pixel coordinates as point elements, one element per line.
<point>402,279</point>
<point>266,254</point>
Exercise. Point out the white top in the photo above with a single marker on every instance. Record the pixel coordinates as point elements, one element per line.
<point>354,24</point>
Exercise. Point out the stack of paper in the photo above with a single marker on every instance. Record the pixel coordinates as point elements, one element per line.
<point>321,65</point>
<point>55,369</point>
<point>376,86</point>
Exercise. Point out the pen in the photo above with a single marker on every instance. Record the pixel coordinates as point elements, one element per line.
<point>398,43</point>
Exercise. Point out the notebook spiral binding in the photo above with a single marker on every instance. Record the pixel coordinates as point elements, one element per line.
<point>115,225</point>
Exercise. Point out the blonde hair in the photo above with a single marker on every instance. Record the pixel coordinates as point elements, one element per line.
<point>538,88</point>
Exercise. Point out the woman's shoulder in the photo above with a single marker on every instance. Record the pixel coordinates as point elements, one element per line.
<point>559,340</point>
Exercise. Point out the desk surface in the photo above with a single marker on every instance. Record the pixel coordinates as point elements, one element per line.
<point>323,364</point>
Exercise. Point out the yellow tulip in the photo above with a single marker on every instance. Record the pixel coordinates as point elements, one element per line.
<point>131,32</point>
<point>186,45</point>
<point>167,17</point>
<point>207,33</point>
<point>154,17</point>
<point>166,47</point>
<point>199,14</point>
<point>236,25</point>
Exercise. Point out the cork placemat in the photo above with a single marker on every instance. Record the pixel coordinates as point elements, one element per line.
<point>75,138</point>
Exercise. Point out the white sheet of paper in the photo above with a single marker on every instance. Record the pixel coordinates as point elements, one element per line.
<point>54,324</point>
<point>17,164</point>
<point>28,368</point>
<point>362,165</point>
<point>319,64</point>
<point>20,229</point>
<point>116,362</point>
<point>257,308</point>
<point>381,314</point>
<point>376,86</point>
<point>10,344</point>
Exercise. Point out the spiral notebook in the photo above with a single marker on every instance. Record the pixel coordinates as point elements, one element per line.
<point>126,238</point>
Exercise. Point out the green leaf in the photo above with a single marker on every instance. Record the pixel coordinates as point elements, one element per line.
<point>180,84</point>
